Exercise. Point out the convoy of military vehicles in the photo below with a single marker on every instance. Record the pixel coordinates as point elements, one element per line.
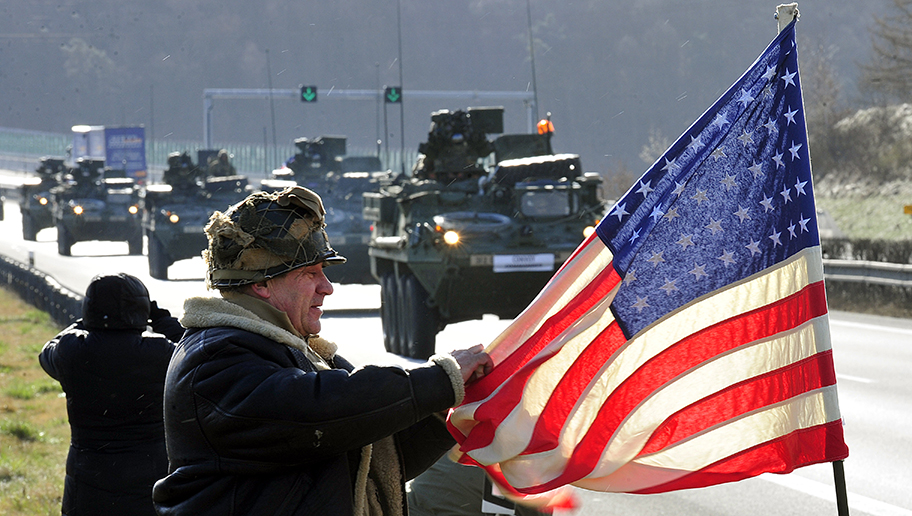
<point>478,226</point>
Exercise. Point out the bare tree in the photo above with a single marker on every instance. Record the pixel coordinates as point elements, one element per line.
<point>890,71</point>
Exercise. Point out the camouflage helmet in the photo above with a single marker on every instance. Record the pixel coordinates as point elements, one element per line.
<point>265,235</point>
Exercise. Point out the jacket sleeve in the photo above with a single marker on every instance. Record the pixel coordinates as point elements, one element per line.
<point>49,357</point>
<point>164,323</point>
<point>252,409</point>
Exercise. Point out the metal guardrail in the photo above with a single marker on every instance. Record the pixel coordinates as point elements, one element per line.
<point>65,306</point>
<point>41,291</point>
<point>877,273</point>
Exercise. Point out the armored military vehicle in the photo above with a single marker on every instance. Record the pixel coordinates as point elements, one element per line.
<point>479,227</point>
<point>322,165</point>
<point>175,211</point>
<point>95,202</point>
<point>35,197</point>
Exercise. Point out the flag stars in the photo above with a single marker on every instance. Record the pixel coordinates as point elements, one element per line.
<point>756,169</point>
<point>641,303</point>
<point>699,272</point>
<point>672,214</point>
<point>678,189</point>
<point>742,214</point>
<point>727,258</point>
<point>714,225</point>
<point>803,223</point>
<point>645,189</point>
<point>671,166</point>
<point>789,78</point>
<point>669,286</point>
<point>630,277</point>
<point>777,158</point>
<point>729,182</point>
<point>794,150</point>
<point>719,153</point>
<point>753,247</point>
<point>770,72</point>
<point>799,188</point>
<point>767,204</point>
<point>619,211</point>
<point>720,120</point>
<point>634,236</point>
<point>786,194</point>
<point>656,214</point>
<point>771,126</point>
<point>791,229</point>
<point>747,138</point>
<point>685,241</point>
<point>790,116</point>
<point>775,238</point>
<point>700,196</point>
<point>656,259</point>
<point>696,143</point>
<point>746,98</point>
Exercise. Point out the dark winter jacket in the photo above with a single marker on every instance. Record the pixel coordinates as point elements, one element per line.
<point>255,427</point>
<point>114,381</point>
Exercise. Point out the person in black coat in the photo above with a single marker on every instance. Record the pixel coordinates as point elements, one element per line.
<point>112,370</point>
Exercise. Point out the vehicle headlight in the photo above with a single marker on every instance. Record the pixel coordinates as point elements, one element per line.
<point>133,209</point>
<point>77,209</point>
<point>42,201</point>
<point>587,232</point>
<point>174,218</point>
<point>451,237</point>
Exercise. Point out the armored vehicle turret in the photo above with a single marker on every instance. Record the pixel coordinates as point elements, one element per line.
<point>478,228</point>
<point>95,202</point>
<point>175,211</point>
<point>321,164</point>
<point>35,197</point>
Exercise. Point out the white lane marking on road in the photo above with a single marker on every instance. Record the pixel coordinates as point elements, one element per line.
<point>866,326</point>
<point>851,378</point>
<point>827,492</point>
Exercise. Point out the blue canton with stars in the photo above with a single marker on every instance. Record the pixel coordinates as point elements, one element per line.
<point>730,198</point>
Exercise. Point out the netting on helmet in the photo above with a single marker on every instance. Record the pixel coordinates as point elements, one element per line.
<point>265,235</point>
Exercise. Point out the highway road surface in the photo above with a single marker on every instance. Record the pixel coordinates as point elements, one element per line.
<point>873,358</point>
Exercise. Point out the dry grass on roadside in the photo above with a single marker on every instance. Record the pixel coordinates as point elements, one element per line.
<point>34,434</point>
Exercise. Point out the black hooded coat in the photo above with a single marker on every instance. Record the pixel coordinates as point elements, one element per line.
<point>113,374</point>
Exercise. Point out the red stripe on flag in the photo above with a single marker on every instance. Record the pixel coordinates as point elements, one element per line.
<point>597,289</point>
<point>822,443</point>
<point>780,385</point>
<point>689,353</point>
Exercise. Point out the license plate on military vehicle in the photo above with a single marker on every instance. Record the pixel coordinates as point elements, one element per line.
<point>193,229</point>
<point>523,262</point>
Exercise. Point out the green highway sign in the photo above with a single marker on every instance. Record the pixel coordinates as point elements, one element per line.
<point>308,93</point>
<point>392,95</point>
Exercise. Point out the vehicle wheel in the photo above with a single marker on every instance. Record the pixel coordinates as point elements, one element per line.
<point>135,243</point>
<point>423,320</point>
<point>64,240</point>
<point>389,313</point>
<point>29,232</point>
<point>158,259</point>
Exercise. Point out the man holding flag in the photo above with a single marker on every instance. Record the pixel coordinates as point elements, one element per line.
<point>686,342</point>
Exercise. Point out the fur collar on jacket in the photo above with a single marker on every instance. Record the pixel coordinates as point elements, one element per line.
<point>211,312</point>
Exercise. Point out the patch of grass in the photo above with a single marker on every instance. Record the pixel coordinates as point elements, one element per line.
<point>34,432</point>
<point>876,217</point>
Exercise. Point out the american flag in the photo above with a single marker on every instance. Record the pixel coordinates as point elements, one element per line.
<point>685,343</point>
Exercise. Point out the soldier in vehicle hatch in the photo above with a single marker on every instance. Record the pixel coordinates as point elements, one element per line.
<point>181,172</point>
<point>221,166</point>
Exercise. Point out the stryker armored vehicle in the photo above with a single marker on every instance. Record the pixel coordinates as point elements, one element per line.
<point>35,197</point>
<point>322,165</point>
<point>478,228</point>
<point>96,203</point>
<point>175,211</point>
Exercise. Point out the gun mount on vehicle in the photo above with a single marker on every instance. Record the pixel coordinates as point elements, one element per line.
<point>175,212</point>
<point>94,202</point>
<point>467,235</point>
<point>35,197</point>
<point>321,164</point>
